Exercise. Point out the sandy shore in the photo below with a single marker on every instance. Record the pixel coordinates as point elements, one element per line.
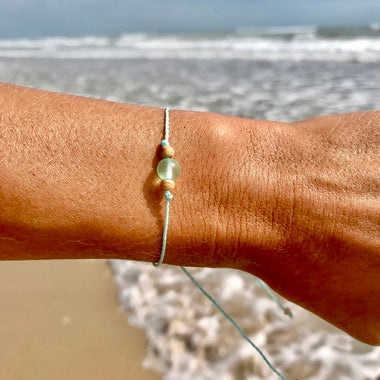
<point>61,320</point>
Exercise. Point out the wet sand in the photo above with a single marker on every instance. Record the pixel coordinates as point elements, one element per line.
<point>62,320</point>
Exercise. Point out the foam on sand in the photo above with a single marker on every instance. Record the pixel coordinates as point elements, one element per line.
<point>190,339</point>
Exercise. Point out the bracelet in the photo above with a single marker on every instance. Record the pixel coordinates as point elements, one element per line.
<point>168,169</point>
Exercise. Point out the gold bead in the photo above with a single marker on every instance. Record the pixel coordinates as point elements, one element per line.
<point>168,184</point>
<point>167,151</point>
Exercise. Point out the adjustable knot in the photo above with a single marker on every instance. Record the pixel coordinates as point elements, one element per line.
<point>168,195</point>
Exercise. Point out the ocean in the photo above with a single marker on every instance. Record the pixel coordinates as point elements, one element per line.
<point>285,74</point>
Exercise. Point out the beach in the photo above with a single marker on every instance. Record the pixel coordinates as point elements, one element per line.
<point>267,74</point>
<point>62,320</point>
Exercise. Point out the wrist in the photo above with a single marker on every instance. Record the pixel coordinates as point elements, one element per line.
<point>264,181</point>
<point>232,201</point>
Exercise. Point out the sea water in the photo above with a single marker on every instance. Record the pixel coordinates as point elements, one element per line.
<point>283,74</point>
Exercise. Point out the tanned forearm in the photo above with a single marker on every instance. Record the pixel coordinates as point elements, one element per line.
<point>78,178</point>
<point>296,204</point>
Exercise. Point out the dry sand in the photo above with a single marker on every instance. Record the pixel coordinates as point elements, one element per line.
<point>61,320</point>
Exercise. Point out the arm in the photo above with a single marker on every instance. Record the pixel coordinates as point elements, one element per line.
<point>295,204</point>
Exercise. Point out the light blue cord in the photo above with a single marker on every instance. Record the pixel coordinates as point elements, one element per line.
<point>169,196</point>
<point>167,123</point>
<point>269,291</point>
<point>245,336</point>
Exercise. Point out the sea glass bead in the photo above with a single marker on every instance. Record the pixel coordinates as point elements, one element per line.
<point>168,168</point>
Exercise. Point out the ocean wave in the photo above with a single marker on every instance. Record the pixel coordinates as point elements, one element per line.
<point>238,45</point>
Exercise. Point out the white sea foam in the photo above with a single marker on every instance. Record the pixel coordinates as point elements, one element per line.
<point>189,339</point>
<point>303,46</point>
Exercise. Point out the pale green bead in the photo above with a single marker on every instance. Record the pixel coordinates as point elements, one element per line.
<point>168,168</point>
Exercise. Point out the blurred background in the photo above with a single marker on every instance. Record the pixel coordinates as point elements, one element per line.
<point>278,60</point>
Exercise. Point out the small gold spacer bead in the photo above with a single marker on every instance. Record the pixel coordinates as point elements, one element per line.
<point>167,151</point>
<point>167,184</point>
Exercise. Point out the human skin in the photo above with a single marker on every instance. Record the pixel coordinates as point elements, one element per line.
<point>296,204</point>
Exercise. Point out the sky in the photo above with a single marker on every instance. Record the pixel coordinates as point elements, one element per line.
<point>37,18</point>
